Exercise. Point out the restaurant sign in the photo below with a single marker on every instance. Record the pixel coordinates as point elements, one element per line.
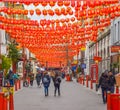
<point>115,49</point>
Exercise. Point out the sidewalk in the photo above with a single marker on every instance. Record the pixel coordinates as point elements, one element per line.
<point>73,97</point>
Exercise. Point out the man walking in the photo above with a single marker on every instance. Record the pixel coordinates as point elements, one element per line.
<point>111,82</point>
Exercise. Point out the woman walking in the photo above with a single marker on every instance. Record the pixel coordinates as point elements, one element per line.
<point>57,82</point>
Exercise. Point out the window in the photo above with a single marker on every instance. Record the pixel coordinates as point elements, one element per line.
<point>114,39</point>
<point>118,30</point>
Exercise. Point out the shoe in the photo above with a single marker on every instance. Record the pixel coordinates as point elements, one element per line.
<point>104,102</point>
<point>55,95</point>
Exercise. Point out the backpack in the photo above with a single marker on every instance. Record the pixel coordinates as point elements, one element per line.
<point>45,80</point>
<point>58,80</point>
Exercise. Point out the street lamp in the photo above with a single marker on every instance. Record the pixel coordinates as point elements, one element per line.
<point>0,55</point>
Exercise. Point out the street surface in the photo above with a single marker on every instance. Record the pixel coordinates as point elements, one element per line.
<point>73,97</point>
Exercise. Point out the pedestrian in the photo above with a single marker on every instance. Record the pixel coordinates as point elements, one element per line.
<point>103,83</point>
<point>53,75</point>
<point>46,82</point>
<point>38,78</point>
<point>57,82</point>
<point>11,77</point>
<point>111,82</point>
<point>31,78</point>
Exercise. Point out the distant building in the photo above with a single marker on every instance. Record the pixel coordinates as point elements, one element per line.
<point>115,45</point>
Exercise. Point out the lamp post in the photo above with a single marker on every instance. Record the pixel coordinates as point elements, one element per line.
<point>0,56</point>
<point>119,61</point>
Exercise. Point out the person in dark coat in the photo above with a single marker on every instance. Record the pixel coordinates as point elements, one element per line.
<point>57,82</point>
<point>103,82</point>
<point>46,82</point>
<point>31,78</point>
<point>111,82</point>
<point>38,78</point>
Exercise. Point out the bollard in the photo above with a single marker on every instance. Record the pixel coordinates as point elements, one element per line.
<point>11,102</point>
<point>108,100</point>
<point>80,80</point>
<point>86,81</point>
<point>83,81</point>
<point>19,84</point>
<point>91,84</point>
<point>1,101</point>
<point>5,103</point>
<point>16,86</point>
<point>117,89</point>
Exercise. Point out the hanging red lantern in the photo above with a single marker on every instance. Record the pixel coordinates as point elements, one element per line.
<point>63,10</point>
<point>27,3</point>
<point>67,19</point>
<point>52,21</point>
<point>25,12</point>
<point>44,12</point>
<point>44,3</point>
<point>72,19</point>
<point>48,22</point>
<point>42,23</point>
<point>70,12</point>
<point>78,3</point>
<point>38,12</point>
<point>52,3</point>
<point>50,12</point>
<point>57,11</point>
<point>36,3</point>
<point>60,3</point>
<point>73,3</point>
<point>66,3</point>
<point>62,20</point>
<point>31,12</point>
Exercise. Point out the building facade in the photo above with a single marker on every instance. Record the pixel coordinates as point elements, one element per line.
<point>101,48</point>
<point>115,45</point>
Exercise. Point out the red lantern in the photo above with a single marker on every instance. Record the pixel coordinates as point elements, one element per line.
<point>38,12</point>
<point>44,12</point>
<point>36,3</point>
<point>73,3</point>
<point>25,12</point>
<point>57,11</point>
<point>67,19</point>
<point>66,3</point>
<point>78,3</point>
<point>42,22</point>
<point>72,19</point>
<point>31,12</point>
<point>52,3</point>
<point>60,3</point>
<point>50,12</point>
<point>70,12</point>
<point>44,3</point>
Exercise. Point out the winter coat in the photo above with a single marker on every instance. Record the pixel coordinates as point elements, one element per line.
<point>38,76</point>
<point>111,80</point>
<point>46,80</point>
<point>57,80</point>
<point>103,82</point>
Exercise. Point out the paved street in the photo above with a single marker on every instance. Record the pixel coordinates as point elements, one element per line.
<point>73,97</point>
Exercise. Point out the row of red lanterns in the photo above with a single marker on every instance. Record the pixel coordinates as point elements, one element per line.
<point>73,3</point>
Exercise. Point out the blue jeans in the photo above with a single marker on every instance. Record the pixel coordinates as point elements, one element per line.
<point>112,89</point>
<point>104,94</point>
<point>46,90</point>
<point>11,82</point>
